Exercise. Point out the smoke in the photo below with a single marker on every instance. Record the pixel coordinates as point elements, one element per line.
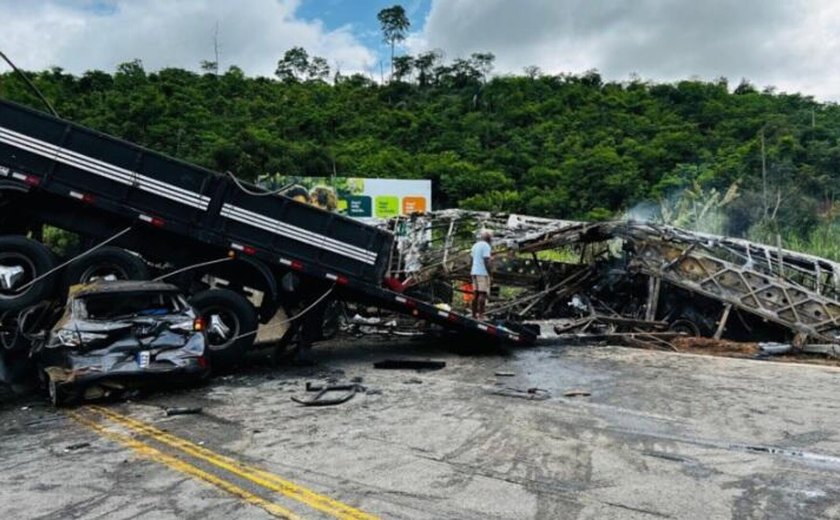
<point>645,211</point>
<point>693,208</point>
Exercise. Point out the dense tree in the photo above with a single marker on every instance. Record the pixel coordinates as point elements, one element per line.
<point>568,146</point>
<point>318,69</point>
<point>425,63</point>
<point>296,65</point>
<point>403,66</point>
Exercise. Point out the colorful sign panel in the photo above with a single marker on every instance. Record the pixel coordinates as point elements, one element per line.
<point>365,198</point>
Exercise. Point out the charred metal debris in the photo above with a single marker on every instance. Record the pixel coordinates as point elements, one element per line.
<point>637,282</point>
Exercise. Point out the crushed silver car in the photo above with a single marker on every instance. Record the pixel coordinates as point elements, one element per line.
<point>116,336</point>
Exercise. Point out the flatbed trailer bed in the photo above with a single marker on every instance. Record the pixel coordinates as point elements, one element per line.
<point>55,172</point>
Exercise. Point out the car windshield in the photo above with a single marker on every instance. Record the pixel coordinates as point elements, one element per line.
<point>109,306</point>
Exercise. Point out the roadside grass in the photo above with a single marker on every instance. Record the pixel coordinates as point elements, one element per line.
<point>823,241</point>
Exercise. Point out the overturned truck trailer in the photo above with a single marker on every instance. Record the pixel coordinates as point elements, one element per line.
<point>631,272</point>
<point>243,255</point>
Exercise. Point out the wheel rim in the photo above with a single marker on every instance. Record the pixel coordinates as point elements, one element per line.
<point>686,326</point>
<point>16,270</point>
<point>106,272</point>
<point>223,327</point>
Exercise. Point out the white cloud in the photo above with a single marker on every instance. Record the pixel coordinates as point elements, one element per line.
<point>793,45</point>
<point>79,35</point>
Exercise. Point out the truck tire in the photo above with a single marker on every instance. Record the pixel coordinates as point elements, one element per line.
<point>109,263</point>
<point>227,315</point>
<point>693,323</point>
<point>21,261</point>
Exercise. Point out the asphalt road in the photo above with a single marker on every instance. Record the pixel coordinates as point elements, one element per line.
<point>661,436</point>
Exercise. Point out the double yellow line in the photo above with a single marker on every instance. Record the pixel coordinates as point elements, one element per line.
<point>260,477</point>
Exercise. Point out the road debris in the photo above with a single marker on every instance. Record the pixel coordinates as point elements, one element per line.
<point>409,364</point>
<point>345,393</point>
<point>182,411</point>
<point>531,394</point>
<point>77,446</point>
<point>636,283</point>
<point>577,393</point>
<point>775,349</point>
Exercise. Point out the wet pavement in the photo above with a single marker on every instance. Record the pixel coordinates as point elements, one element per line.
<point>661,435</point>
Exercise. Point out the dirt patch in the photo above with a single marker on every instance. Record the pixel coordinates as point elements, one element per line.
<point>719,347</point>
<point>716,347</point>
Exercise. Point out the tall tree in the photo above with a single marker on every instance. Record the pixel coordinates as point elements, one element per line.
<point>395,24</point>
<point>294,65</point>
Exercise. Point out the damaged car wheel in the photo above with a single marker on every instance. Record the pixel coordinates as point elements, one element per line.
<point>60,394</point>
<point>230,323</point>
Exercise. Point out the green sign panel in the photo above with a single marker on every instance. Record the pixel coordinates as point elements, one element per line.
<point>387,206</point>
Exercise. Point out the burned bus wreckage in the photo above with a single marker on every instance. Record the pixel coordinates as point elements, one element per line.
<point>648,281</point>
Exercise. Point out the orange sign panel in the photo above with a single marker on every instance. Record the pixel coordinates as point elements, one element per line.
<point>413,205</point>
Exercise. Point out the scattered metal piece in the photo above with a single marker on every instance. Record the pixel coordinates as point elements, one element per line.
<point>504,374</point>
<point>182,411</point>
<point>409,364</point>
<point>829,350</point>
<point>667,456</point>
<point>774,450</point>
<point>775,349</point>
<point>320,399</point>
<point>577,393</point>
<point>531,394</point>
<point>77,446</point>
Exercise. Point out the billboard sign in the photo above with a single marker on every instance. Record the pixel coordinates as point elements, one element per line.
<point>366,198</point>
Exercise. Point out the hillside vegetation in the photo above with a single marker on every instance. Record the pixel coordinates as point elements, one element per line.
<point>565,146</point>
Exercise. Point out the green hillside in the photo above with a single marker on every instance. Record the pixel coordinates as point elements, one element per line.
<point>566,146</point>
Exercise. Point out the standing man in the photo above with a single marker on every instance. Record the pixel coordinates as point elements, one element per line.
<point>481,268</point>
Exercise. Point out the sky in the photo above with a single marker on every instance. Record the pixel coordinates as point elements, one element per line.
<point>792,45</point>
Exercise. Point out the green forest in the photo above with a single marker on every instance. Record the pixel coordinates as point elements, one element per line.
<point>712,156</point>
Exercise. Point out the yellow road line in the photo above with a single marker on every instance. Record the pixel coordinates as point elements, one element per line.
<point>253,474</point>
<point>183,467</point>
